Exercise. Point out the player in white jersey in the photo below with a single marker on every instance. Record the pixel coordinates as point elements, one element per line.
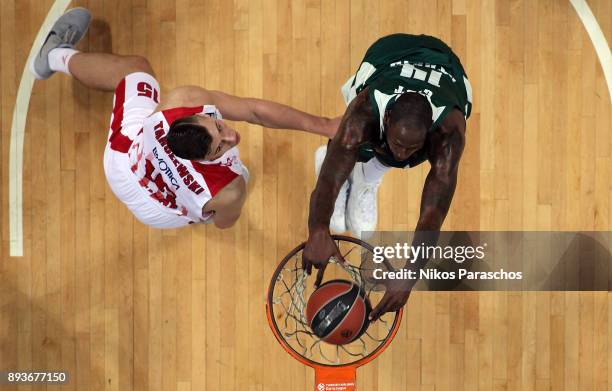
<point>171,161</point>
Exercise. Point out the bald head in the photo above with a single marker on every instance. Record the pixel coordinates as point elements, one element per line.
<point>407,123</point>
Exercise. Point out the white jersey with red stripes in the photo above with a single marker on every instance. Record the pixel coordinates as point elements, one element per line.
<point>160,189</point>
<point>183,186</point>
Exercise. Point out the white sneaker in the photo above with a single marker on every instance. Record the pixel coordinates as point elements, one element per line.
<point>337,223</point>
<point>361,214</point>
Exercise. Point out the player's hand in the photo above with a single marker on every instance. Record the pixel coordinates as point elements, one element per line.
<point>319,248</point>
<point>396,296</point>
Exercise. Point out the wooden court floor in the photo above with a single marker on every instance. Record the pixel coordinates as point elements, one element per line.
<point>124,307</point>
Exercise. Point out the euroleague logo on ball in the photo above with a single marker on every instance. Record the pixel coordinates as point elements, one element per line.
<point>321,387</point>
<point>337,312</point>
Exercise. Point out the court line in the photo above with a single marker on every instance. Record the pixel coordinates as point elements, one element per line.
<point>20,112</point>
<point>597,37</point>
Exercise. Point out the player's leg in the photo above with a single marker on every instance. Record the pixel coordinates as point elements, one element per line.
<point>104,71</point>
<point>374,170</point>
<point>95,70</point>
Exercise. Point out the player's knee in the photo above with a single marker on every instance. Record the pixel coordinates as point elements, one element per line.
<point>140,64</point>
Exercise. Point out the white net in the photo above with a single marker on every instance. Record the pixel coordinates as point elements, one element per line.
<point>289,296</point>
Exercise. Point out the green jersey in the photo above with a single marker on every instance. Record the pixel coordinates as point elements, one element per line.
<point>401,63</point>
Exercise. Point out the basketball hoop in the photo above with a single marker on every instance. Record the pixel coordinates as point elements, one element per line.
<point>335,365</point>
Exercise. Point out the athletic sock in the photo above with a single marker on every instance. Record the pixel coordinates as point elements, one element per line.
<point>373,170</point>
<point>59,59</point>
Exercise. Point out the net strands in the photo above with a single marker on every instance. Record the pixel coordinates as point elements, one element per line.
<point>290,298</point>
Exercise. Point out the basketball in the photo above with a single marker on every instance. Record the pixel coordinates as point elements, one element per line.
<point>337,312</point>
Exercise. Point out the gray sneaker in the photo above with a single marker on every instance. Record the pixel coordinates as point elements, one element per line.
<point>66,32</point>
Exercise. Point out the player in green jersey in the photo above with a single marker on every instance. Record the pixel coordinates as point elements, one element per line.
<point>407,103</point>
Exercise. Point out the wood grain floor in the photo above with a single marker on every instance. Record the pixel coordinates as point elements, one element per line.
<point>125,307</point>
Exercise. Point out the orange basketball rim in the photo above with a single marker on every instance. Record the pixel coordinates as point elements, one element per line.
<point>335,366</point>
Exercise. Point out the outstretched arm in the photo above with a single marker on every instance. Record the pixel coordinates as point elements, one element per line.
<point>341,157</point>
<point>439,188</point>
<point>445,152</point>
<point>253,110</point>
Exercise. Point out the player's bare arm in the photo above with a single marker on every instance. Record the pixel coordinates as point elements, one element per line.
<point>342,155</point>
<point>445,148</point>
<point>226,206</point>
<point>253,110</point>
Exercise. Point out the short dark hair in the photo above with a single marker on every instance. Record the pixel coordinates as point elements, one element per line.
<point>188,139</point>
<point>411,109</point>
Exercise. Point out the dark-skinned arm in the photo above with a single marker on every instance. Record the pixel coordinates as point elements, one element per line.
<point>439,188</point>
<point>444,155</point>
<point>340,159</point>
